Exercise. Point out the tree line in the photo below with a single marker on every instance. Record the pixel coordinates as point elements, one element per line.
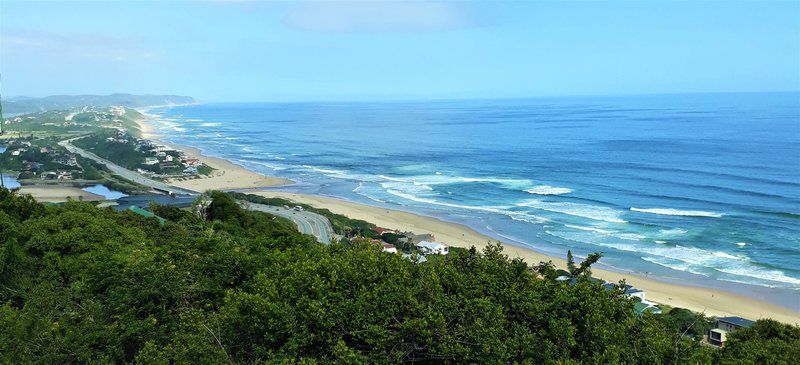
<point>80,284</point>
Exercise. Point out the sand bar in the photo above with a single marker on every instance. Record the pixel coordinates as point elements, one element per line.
<point>711,301</point>
<point>57,193</point>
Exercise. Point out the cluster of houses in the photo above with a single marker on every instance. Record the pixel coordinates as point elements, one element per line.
<point>641,306</point>
<point>424,244</point>
<point>34,159</point>
<point>164,157</point>
<point>18,119</point>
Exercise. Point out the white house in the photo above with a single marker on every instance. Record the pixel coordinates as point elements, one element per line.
<point>435,248</point>
<point>635,293</point>
<point>150,160</point>
<point>388,247</point>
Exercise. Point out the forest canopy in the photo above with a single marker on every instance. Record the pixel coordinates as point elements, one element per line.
<point>80,284</point>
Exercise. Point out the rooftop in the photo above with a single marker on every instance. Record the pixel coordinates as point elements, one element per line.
<point>736,321</point>
<point>431,245</point>
<point>146,214</point>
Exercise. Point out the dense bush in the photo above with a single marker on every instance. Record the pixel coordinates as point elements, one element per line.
<point>82,284</point>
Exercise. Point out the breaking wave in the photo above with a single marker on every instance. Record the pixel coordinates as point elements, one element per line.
<point>548,190</point>
<point>592,212</point>
<point>678,212</point>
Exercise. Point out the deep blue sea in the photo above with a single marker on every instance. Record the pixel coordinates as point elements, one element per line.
<point>698,187</point>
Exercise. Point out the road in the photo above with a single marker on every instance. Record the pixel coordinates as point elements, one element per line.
<point>121,171</point>
<point>307,222</point>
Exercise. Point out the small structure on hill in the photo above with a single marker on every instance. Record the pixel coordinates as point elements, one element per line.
<point>635,293</point>
<point>646,307</point>
<point>146,214</point>
<point>419,237</point>
<point>719,336</point>
<point>380,230</point>
<point>566,279</point>
<point>434,248</point>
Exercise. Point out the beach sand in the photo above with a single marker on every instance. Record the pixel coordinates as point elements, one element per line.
<point>711,301</point>
<point>57,193</point>
<point>227,175</point>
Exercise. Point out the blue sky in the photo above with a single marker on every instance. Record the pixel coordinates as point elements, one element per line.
<point>262,51</point>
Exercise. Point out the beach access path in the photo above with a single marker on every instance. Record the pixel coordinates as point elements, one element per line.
<point>307,222</point>
<point>123,172</point>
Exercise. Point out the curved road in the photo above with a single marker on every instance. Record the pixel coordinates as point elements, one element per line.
<point>121,171</point>
<point>307,222</point>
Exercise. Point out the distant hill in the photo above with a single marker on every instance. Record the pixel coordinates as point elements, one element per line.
<point>19,105</point>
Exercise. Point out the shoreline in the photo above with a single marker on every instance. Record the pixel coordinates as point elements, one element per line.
<point>226,175</point>
<point>700,299</point>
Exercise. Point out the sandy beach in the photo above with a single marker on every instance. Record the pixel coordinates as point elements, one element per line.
<point>57,193</point>
<point>710,301</point>
<point>227,175</point>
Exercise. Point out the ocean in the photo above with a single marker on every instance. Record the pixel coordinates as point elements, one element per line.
<point>699,188</point>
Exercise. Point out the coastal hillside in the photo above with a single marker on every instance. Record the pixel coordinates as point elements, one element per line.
<point>220,284</point>
<point>58,102</point>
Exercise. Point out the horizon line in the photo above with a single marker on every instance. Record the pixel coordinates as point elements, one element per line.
<point>417,98</point>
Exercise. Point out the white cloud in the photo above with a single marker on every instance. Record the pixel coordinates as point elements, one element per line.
<point>369,16</point>
<point>81,46</point>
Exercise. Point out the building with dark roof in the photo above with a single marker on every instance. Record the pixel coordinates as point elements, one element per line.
<point>719,336</point>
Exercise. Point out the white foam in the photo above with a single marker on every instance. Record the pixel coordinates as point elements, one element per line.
<point>360,191</point>
<point>677,212</point>
<point>518,216</point>
<point>727,255</point>
<point>741,244</point>
<point>590,229</point>
<point>672,232</point>
<point>325,171</point>
<point>763,274</point>
<point>610,233</point>
<point>211,124</point>
<point>341,174</point>
<point>671,264</point>
<point>548,190</point>
<point>412,188</point>
<point>696,260</point>
<point>274,167</point>
<point>593,212</point>
<point>441,179</point>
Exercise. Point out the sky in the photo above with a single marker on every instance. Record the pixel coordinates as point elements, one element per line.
<point>308,51</point>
